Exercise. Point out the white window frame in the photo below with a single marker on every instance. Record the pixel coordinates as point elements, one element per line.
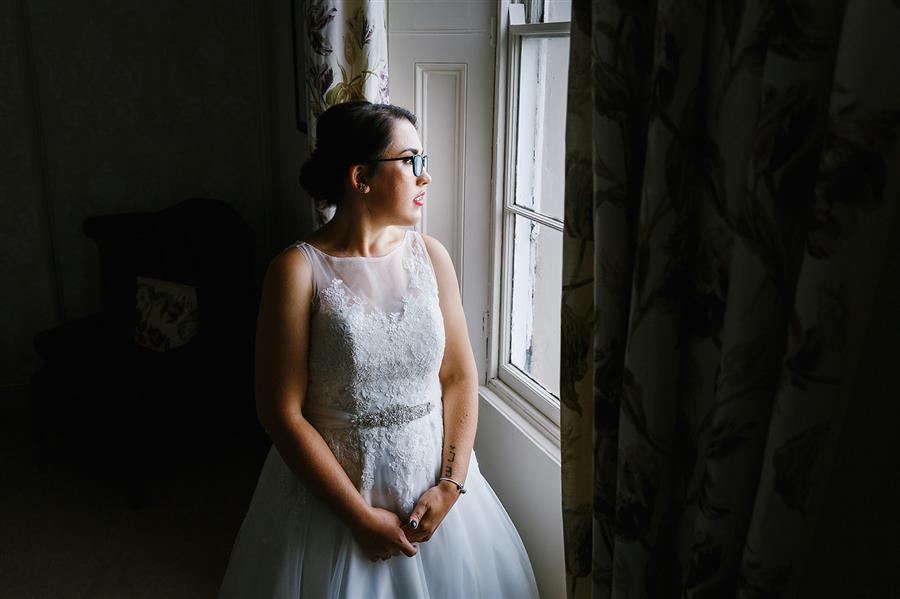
<point>528,400</point>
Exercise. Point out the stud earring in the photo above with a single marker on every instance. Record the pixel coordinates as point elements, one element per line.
<point>364,188</point>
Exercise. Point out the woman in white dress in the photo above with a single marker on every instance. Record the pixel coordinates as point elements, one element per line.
<point>368,388</point>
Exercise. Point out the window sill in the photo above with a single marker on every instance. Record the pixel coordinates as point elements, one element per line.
<point>537,428</point>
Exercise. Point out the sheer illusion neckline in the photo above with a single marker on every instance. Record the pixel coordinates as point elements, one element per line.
<point>382,257</point>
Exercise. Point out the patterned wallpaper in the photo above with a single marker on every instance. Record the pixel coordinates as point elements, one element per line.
<point>119,105</point>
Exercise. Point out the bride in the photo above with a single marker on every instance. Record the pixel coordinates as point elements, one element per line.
<point>368,388</point>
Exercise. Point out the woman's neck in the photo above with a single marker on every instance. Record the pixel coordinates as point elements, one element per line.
<point>349,233</point>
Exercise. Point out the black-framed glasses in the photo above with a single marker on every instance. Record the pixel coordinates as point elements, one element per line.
<point>419,162</point>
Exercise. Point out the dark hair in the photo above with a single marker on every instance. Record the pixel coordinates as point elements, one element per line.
<point>347,134</point>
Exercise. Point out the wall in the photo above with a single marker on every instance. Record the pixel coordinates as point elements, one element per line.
<point>27,279</point>
<point>115,106</point>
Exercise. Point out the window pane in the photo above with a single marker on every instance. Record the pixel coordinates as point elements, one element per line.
<point>541,131</point>
<point>558,10</point>
<point>536,299</point>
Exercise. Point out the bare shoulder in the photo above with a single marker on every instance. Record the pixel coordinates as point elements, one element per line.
<point>443,268</point>
<point>288,275</point>
<point>440,257</point>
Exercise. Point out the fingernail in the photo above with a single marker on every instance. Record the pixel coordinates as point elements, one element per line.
<point>413,523</point>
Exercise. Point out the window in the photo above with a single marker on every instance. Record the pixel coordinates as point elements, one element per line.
<point>530,163</point>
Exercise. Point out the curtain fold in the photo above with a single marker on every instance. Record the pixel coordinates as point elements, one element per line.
<point>345,45</point>
<point>731,177</point>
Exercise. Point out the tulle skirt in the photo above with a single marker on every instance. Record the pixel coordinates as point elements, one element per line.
<point>292,545</point>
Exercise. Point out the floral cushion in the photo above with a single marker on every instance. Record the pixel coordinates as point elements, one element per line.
<point>167,315</point>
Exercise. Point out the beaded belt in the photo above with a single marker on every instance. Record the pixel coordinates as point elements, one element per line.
<point>390,416</point>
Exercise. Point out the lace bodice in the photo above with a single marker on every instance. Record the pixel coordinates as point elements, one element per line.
<point>376,345</point>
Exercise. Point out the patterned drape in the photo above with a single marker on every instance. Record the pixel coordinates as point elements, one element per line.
<point>346,59</point>
<point>730,182</point>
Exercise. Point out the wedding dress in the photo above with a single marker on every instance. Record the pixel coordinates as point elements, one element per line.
<point>376,345</point>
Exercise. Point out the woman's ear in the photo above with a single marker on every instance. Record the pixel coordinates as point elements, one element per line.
<point>359,176</point>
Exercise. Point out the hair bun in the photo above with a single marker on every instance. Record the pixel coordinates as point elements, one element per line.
<point>346,134</point>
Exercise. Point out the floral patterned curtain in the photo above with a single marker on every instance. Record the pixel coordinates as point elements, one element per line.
<point>729,176</point>
<point>346,59</point>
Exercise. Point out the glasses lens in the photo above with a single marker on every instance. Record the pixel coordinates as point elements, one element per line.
<point>417,165</point>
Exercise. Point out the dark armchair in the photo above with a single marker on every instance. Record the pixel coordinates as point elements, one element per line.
<point>139,396</point>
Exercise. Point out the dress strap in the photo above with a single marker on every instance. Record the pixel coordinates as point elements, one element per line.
<point>421,268</point>
<point>315,266</point>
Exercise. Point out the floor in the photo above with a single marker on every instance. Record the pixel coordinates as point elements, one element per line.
<point>68,531</point>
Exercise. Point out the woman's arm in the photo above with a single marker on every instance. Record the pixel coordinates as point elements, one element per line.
<point>459,384</point>
<point>282,350</point>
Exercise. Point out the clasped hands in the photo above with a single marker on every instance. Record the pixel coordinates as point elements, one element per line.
<point>383,535</point>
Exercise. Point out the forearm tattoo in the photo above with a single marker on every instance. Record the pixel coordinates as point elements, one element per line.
<point>448,469</point>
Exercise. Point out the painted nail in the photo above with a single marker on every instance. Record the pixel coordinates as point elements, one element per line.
<point>413,523</point>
